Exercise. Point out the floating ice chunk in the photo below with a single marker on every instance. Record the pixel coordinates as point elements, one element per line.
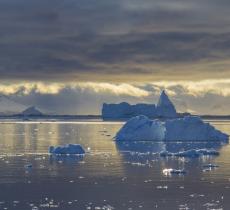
<point>189,128</point>
<point>28,165</point>
<point>210,165</point>
<point>67,149</point>
<point>170,171</point>
<point>163,109</point>
<point>141,128</point>
<point>193,153</point>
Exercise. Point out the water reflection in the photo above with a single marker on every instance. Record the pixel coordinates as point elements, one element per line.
<point>172,147</point>
<point>65,159</point>
<point>124,175</point>
<point>146,156</point>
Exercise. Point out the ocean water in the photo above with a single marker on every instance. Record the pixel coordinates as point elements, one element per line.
<point>111,175</point>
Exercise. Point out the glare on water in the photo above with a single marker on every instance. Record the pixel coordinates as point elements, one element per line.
<point>111,175</point>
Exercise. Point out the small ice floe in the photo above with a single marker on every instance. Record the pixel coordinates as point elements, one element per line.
<point>171,171</point>
<point>193,153</point>
<point>209,167</point>
<point>75,149</point>
<point>28,166</point>
<point>162,187</point>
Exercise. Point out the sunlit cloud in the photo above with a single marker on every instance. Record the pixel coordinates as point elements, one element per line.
<point>54,88</point>
<point>194,88</point>
<point>197,88</point>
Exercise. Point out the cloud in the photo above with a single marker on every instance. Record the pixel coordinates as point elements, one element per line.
<point>197,88</point>
<point>76,53</point>
<point>54,88</point>
<point>202,97</point>
<point>114,41</point>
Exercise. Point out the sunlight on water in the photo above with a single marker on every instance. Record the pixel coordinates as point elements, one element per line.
<point>110,175</point>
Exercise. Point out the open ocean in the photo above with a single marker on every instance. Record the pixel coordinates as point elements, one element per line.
<point>111,175</point>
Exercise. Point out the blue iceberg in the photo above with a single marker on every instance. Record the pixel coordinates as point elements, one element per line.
<point>72,149</point>
<point>189,128</point>
<point>163,109</point>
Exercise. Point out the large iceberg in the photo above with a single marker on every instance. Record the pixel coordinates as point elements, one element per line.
<point>141,128</point>
<point>189,128</point>
<point>192,129</point>
<point>164,109</point>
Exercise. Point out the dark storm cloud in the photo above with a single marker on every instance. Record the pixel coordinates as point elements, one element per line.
<point>97,40</point>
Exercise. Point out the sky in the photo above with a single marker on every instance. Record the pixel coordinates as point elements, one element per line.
<point>68,57</point>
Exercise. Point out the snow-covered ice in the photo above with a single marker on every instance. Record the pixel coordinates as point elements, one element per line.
<point>189,128</point>
<point>67,149</point>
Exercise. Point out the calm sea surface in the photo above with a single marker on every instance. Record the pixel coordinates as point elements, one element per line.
<point>111,175</point>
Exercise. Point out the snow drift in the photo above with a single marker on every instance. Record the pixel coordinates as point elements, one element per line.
<point>189,128</point>
<point>75,149</point>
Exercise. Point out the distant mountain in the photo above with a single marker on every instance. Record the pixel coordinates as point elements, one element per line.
<point>32,111</point>
<point>8,106</point>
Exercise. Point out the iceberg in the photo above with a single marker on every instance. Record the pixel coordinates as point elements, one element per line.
<point>75,149</point>
<point>125,110</point>
<point>192,128</point>
<point>189,128</point>
<point>141,128</point>
<point>163,109</point>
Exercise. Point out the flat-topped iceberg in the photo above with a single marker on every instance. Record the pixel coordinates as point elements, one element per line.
<point>189,128</point>
<point>75,149</point>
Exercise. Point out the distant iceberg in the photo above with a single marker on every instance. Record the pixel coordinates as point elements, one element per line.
<point>75,149</point>
<point>189,128</point>
<point>163,109</point>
